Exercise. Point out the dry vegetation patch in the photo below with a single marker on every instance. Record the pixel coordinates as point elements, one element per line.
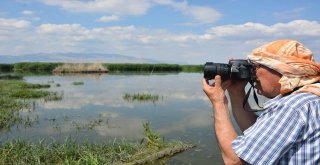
<point>81,68</point>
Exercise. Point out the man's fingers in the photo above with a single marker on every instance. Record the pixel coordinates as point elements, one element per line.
<point>205,84</point>
<point>217,80</point>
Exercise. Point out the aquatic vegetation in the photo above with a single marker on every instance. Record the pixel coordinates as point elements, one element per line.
<point>89,125</point>
<point>9,111</point>
<point>14,96</point>
<point>10,76</point>
<point>53,96</point>
<point>78,83</point>
<point>152,139</point>
<point>140,97</point>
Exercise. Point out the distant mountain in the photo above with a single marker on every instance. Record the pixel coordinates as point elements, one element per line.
<point>74,58</point>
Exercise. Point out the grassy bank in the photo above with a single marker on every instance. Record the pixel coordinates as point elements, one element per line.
<point>119,152</point>
<point>126,67</point>
<point>68,152</point>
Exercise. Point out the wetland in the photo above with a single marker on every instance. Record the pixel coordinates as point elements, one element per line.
<point>96,111</point>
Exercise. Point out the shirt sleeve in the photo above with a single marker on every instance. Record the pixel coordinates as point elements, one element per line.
<point>273,134</point>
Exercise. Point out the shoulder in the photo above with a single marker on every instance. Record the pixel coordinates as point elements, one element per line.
<point>299,100</point>
<point>305,105</point>
<point>293,100</point>
<point>299,104</point>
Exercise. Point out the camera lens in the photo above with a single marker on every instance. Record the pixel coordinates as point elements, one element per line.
<point>212,69</point>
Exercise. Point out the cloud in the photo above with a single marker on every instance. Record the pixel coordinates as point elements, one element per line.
<point>203,14</point>
<point>119,7</point>
<point>200,14</point>
<point>293,28</point>
<point>108,18</point>
<point>27,12</point>
<point>289,14</point>
<point>67,29</point>
<point>13,24</point>
<point>30,15</point>
<point>216,44</point>
<point>199,119</point>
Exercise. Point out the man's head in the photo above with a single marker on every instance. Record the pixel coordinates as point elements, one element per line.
<point>290,61</point>
<point>267,81</point>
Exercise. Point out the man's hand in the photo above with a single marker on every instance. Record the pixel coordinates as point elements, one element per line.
<point>223,126</point>
<point>216,91</point>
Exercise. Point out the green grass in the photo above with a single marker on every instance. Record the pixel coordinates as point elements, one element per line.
<point>76,153</point>
<point>67,152</point>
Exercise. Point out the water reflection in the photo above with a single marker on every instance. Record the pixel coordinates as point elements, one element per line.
<point>198,119</point>
<point>96,110</point>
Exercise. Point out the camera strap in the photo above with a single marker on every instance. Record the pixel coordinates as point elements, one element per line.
<point>245,101</point>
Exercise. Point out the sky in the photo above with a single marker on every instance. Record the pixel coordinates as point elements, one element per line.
<point>169,31</point>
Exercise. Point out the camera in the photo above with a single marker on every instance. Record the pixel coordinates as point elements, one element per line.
<point>236,70</point>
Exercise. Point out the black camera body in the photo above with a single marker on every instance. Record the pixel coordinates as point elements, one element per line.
<point>236,70</point>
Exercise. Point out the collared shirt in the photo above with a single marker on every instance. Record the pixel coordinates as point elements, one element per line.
<point>287,132</point>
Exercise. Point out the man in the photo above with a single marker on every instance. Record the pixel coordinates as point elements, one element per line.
<point>288,130</point>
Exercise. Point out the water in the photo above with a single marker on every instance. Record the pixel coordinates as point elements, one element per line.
<point>96,111</point>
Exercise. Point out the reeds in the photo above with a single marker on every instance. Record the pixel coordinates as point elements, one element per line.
<point>145,97</point>
<point>143,67</point>
<point>35,66</point>
<point>6,67</point>
<point>92,67</point>
<point>81,68</point>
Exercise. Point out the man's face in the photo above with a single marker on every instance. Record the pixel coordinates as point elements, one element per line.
<point>267,83</point>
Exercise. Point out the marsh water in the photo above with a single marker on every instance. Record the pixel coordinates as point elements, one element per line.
<point>96,111</point>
